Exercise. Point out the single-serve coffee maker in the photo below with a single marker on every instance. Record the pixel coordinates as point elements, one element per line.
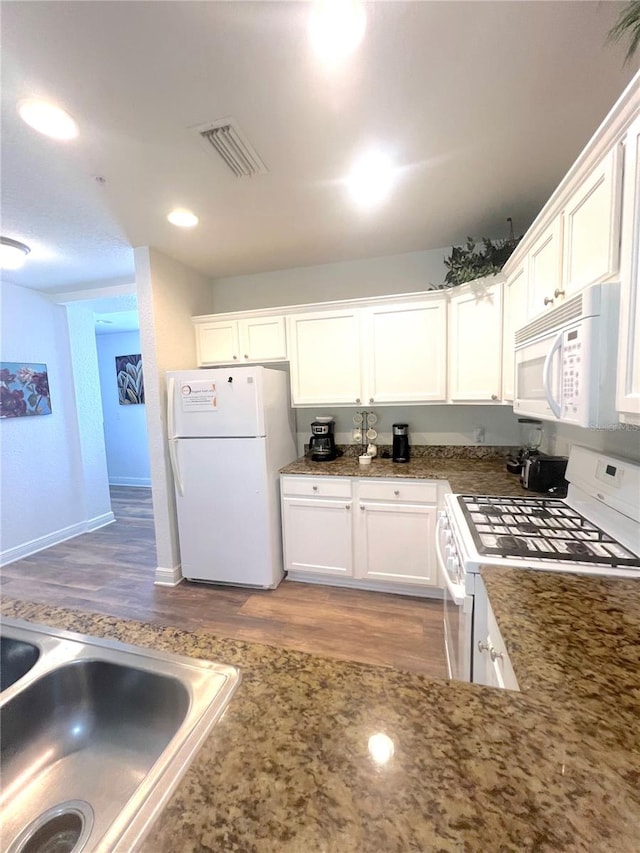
<point>322,444</point>
<point>400,451</point>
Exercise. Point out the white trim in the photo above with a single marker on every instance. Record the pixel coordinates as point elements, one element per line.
<point>168,577</point>
<point>413,590</point>
<point>19,552</point>
<point>142,482</point>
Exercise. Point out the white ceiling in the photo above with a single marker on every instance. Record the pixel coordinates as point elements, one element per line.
<point>483,104</point>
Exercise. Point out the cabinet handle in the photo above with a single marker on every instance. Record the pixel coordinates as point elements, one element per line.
<point>362,507</point>
<point>557,292</point>
<point>494,396</point>
<point>483,647</point>
<point>548,300</point>
<point>315,488</point>
<point>494,654</point>
<point>396,491</point>
<point>371,400</point>
<point>347,506</point>
<point>235,358</point>
<point>357,399</point>
<point>245,355</point>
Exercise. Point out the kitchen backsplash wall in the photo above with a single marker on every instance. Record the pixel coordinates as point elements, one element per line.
<point>407,273</point>
<point>623,440</point>
<point>432,425</point>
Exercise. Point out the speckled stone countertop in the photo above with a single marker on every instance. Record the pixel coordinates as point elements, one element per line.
<point>465,475</point>
<point>287,770</point>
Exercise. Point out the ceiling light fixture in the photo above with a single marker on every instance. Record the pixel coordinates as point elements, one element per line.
<point>48,119</point>
<point>12,253</point>
<point>336,28</point>
<point>371,179</point>
<point>182,218</point>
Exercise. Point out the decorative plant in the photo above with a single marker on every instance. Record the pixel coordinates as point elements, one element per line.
<point>628,23</point>
<point>466,263</point>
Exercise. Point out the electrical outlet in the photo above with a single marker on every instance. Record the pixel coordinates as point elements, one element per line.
<point>479,435</point>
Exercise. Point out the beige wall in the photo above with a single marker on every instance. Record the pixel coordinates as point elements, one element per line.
<point>169,294</point>
<point>623,440</point>
<point>408,273</point>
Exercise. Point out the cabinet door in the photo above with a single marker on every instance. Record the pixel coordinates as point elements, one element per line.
<point>324,352</point>
<point>591,228</point>
<point>515,316</point>
<point>475,343</point>
<point>628,389</point>
<point>317,536</point>
<point>397,543</point>
<point>406,352</point>
<point>263,339</point>
<point>545,269</point>
<point>217,342</point>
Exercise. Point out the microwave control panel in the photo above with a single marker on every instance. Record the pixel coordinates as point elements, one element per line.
<point>572,373</point>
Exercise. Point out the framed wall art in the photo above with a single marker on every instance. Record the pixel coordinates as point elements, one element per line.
<point>130,379</point>
<point>24,389</point>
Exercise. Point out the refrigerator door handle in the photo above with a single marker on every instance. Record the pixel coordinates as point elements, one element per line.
<point>173,456</point>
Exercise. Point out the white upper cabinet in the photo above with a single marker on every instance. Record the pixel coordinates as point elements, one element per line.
<point>324,352</point>
<point>591,226</point>
<point>545,269</point>
<point>249,339</point>
<point>475,342</point>
<point>405,352</point>
<point>628,388</point>
<point>515,316</point>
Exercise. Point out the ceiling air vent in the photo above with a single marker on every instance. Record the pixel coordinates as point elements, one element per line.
<point>232,145</point>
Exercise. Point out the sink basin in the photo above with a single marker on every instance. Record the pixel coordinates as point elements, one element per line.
<point>16,659</point>
<point>95,736</point>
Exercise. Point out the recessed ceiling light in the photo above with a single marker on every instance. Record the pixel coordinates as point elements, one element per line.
<point>336,28</point>
<point>371,179</point>
<point>48,119</point>
<point>12,253</point>
<point>182,218</point>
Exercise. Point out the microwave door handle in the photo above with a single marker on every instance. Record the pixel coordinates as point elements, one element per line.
<point>546,374</point>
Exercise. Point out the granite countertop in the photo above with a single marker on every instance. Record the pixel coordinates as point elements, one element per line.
<point>287,770</point>
<point>466,475</point>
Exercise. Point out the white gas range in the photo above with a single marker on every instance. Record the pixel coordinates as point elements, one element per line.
<point>594,530</point>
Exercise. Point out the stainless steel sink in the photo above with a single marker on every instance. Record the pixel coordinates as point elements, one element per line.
<point>16,659</point>
<point>95,736</point>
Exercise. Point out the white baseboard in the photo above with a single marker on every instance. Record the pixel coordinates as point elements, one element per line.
<point>142,482</point>
<point>168,577</point>
<point>19,552</point>
<point>413,590</point>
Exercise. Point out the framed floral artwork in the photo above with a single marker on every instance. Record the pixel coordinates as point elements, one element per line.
<point>24,389</point>
<point>130,380</point>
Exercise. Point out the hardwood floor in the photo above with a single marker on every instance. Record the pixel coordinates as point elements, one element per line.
<point>111,571</point>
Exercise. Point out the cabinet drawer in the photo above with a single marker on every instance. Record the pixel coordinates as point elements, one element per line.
<point>385,490</point>
<point>318,487</point>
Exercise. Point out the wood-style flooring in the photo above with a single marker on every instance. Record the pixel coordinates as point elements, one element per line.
<point>111,571</point>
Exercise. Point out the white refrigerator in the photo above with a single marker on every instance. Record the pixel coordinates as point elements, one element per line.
<point>230,431</point>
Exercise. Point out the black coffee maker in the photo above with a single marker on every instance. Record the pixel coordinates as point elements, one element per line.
<point>400,451</point>
<point>322,444</point>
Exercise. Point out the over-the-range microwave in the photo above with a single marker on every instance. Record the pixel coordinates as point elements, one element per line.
<point>565,360</point>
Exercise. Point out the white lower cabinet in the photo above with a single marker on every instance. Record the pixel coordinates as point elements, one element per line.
<point>379,531</point>
<point>491,663</point>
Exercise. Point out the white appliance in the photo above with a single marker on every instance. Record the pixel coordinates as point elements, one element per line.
<point>230,432</point>
<point>565,360</point>
<point>595,530</point>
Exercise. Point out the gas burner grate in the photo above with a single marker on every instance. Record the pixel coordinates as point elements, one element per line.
<point>541,529</point>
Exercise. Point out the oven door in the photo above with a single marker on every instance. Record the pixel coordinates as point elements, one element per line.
<point>538,372</point>
<point>458,608</point>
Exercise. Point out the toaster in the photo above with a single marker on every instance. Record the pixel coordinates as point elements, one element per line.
<point>541,473</point>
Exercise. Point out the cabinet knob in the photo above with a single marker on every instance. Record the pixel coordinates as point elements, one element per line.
<point>548,300</point>
<point>396,491</point>
<point>371,400</point>
<point>347,506</point>
<point>362,507</point>
<point>494,396</point>
<point>315,488</point>
<point>245,355</point>
<point>557,292</point>
<point>235,358</point>
<point>483,647</point>
<point>357,399</point>
<point>494,654</point>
